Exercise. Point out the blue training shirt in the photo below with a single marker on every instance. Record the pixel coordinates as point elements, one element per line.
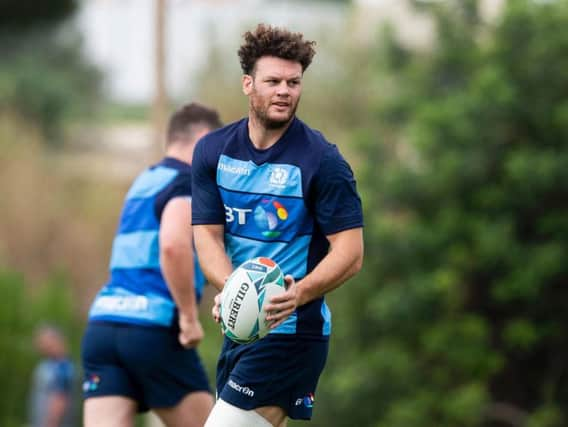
<point>137,292</point>
<point>278,203</point>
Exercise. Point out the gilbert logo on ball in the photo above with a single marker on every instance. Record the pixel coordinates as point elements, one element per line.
<point>244,296</point>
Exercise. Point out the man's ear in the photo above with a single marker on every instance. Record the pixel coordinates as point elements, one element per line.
<point>247,84</point>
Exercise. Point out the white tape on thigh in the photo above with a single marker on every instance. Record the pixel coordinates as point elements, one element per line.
<point>224,415</point>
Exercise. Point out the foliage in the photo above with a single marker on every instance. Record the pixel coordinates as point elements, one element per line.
<point>45,79</point>
<point>43,75</point>
<point>53,214</point>
<point>458,318</point>
<point>18,16</point>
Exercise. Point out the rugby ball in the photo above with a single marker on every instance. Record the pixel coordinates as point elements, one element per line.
<point>246,291</point>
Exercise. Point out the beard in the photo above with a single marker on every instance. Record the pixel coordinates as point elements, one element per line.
<point>260,112</point>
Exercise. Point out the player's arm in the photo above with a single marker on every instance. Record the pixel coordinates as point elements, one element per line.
<point>338,212</point>
<point>209,219</point>
<point>176,261</point>
<point>210,245</point>
<point>343,261</point>
<point>56,407</point>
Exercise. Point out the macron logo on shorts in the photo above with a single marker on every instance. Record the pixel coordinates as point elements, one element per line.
<point>244,390</point>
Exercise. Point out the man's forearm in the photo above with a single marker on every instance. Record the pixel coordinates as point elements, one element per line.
<point>341,263</point>
<point>177,267</point>
<point>212,256</point>
<point>56,410</point>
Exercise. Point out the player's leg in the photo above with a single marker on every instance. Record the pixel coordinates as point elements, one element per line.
<point>192,411</point>
<point>109,411</point>
<point>224,414</point>
<point>274,414</point>
<point>276,377</point>
<point>111,399</point>
<point>171,378</point>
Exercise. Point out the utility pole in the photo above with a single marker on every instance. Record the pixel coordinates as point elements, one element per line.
<point>160,103</point>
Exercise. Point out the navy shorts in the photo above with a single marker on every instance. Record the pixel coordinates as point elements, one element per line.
<point>278,370</point>
<point>146,364</point>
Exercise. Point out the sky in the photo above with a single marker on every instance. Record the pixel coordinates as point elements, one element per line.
<point>119,37</point>
<point>119,34</point>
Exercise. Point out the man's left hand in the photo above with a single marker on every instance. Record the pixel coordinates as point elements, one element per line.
<point>283,305</point>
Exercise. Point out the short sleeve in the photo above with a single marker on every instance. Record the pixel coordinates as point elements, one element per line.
<point>337,204</point>
<point>63,378</point>
<point>207,206</point>
<point>180,187</point>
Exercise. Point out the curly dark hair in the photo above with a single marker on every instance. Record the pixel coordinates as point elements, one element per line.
<point>273,41</point>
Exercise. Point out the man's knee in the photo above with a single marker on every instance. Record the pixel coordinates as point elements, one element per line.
<point>224,414</point>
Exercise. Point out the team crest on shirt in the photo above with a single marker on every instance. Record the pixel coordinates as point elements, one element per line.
<point>279,177</point>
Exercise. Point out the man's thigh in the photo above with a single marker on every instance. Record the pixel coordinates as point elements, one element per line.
<point>109,411</point>
<point>224,414</point>
<point>192,411</point>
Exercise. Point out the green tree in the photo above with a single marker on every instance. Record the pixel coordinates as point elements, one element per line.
<point>43,75</point>
<point>18,16</point>
<point>458,318</point>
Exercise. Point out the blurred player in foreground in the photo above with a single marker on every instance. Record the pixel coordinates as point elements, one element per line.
<point>139,348</point>
<point>269,185</point>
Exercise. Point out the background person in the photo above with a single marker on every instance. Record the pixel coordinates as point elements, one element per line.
<point>138,350</point>
<point>52,382</point>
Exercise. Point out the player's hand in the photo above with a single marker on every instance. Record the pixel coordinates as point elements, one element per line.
<point>215,311</point>
<point>191,333</point>
<point>283,305</point>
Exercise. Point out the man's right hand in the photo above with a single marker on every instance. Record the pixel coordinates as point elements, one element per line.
<point>215,311</point>
<point>191,333</point>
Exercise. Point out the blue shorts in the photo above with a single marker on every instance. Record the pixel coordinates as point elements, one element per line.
<point>146,364</point>
<point>278,370</point>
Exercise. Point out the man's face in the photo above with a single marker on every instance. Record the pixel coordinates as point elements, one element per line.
<point>47,343</point>
<point>274,90</point>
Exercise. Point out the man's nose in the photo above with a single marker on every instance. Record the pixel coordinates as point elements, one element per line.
<point>283,89</point>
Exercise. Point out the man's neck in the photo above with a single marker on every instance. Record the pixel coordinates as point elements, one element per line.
<point>183,154</point>
<point>261,137</point>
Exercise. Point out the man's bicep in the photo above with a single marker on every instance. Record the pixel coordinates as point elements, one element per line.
<point>209,234</point>
<point>346,251</point>
<point>176,221</point>
<point>350,240</point>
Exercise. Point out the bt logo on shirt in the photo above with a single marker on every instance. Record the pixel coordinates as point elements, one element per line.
<point>268,216</point>
<point>233,214</point>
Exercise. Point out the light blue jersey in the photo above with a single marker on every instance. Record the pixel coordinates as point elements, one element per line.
<point>137,292</point>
